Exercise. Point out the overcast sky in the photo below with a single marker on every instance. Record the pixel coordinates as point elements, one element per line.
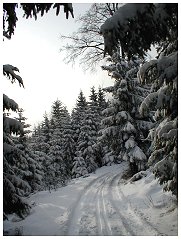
<point>34,49</point>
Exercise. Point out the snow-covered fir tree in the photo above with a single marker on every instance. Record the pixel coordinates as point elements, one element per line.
<point>68,147</point>
<point>120,118</point>
<point>78,114</point>
<point>61,149</point>
<point>93,96</point>
<point>96,105</point>
<point>163,99</point>
<point>14,187</point>
<point>28,166</point>
<point>100,150</point>
<point>55,167</point>
<point>79,166</point>
<point>136,26</point>
<point>46,128</point>
<point>36,173</point>
<point>101,100</point>
<point>128,29</point>
<point>59,114</point>
<point>39,149</point>
<point>86,140</point>
<point>39,142</point>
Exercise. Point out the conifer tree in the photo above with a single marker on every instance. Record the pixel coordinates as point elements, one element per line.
<point>101,100</point>
<point>161,74</point>
<point>55,167</point>
<point>87,139</point>
<point>40,142</point>
<point>96,105</point>
<point>57,170</point>
<point>78,114</point>
<point>93,96</point>
<point>163,99</point>
<point>46,128</point>
<point>14,187</point>
<point>34,172</point>
<point>86,114</point>
<point>79,166</point>
<point>68,147</point>
<point>56,115</point>
<point>120,122</point>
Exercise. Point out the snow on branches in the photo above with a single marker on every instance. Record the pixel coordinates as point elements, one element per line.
<point>163,101</point>
<point>9,104</point>
<point>162,73</point>
<point>12,126</point>
<point>9,71</point>
<point>30,10</point>
<point>160,70</point>
<point>137,26</point>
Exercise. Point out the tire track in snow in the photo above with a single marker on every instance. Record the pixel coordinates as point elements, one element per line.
<point>75,214</point>
<point>105,213</point>
<point>126,230</point>
<point>104,227</point>
<point>103,192</point>
<point>92,214</point>
<point>135,214</point>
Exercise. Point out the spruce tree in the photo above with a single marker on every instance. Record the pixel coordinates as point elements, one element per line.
<point>55,167</point>
<point>163,100</point>
<point>14,187</point>
<point>96,105</point>
<point>68,147</point>
<point>120,122</point>
<point>79,166</point>
<point>34,172</point>
<point>101,100</point>
<point>162,74</point>
<point>87,139</point>
<point>61,149</point>
<point>46,128</point>
<point>78,115</point>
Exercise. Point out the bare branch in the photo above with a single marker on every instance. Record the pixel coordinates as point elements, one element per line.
<point>86,44</point>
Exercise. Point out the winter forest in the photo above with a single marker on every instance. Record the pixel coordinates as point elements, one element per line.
<point>109,167</point>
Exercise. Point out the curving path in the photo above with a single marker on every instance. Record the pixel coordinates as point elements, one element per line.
<point>103,209</point>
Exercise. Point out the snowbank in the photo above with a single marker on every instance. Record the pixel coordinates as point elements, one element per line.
<point>148,200</point>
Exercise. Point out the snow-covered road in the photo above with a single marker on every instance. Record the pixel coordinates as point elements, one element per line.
<point>97,205</point>
<point>103,209</point>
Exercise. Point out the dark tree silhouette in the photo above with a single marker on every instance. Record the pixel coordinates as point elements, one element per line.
<point>30,10</point>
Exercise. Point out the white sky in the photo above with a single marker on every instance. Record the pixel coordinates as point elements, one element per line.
<point>34,49</point>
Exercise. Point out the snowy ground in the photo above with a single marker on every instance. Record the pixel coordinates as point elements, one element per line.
<point>101,204</point>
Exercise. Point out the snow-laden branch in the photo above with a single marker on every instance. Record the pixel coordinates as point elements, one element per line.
<point>165,68</point>
<point>9,71</point>
<point>12,126</point>
<point>138,25</point>
<point>9,104</point>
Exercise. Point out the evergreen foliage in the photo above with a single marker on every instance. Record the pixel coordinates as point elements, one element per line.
<point>78,114</point>
<point>136,26</point>
<point>30,10</point>
<point>68,147</point>
<point>129,29</point>
<point>164,100</point>
<point>79,166</point>
<point>14,161</point>
<point>122,120</point>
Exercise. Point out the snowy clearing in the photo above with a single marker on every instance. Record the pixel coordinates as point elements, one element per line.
<point>101,204</point>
